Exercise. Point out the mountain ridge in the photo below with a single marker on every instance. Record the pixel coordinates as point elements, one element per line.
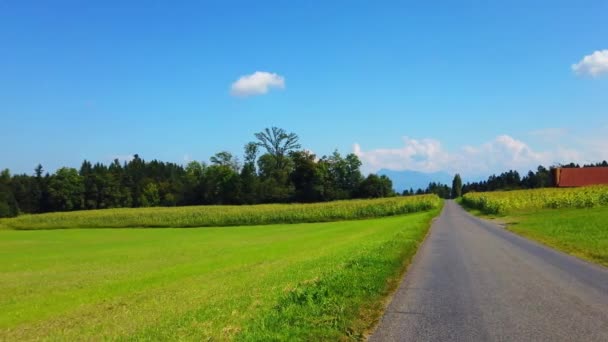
<point>407,179</point>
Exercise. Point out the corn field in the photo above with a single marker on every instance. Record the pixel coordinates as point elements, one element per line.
<point>224,215</point>
<point>501,202</point>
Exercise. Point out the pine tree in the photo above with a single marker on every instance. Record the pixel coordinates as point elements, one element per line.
<point>457,186</point>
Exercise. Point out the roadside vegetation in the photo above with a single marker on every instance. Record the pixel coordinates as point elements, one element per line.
<point>572,220</point>
<point>312,281</point>
<point>580,232</point>
<point>211,216</point>
<point>504,202</point>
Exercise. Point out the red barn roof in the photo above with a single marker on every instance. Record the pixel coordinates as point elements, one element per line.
<point>565,177</point>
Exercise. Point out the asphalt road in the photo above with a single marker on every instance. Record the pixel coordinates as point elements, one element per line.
<point>474,281</point>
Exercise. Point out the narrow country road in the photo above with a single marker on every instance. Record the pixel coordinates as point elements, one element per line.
<point>474,281</point>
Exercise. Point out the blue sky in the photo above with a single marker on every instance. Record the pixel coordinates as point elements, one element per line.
<point>471,87</point>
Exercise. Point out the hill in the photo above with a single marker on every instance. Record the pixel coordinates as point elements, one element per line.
<point>413,179</point>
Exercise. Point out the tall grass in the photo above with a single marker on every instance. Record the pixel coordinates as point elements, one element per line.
<point>502,202</point>
<point>214,216</point>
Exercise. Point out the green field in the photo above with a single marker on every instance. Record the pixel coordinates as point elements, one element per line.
<point>314,281</point>
<point>226,215</point>
<point>580,232</point>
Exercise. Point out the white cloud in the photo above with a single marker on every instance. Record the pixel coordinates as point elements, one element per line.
<point>500,154</point>
<point>257,83</point>
<point>594,64</point>
<point>424,155</point>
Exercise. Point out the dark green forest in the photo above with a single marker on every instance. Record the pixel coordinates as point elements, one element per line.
<point>274,169</point>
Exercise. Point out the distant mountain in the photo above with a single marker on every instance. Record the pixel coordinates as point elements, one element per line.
<point>416,180</point>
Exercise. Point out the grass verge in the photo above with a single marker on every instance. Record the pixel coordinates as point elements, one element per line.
<point>582,232</point>
<point>320,281</point>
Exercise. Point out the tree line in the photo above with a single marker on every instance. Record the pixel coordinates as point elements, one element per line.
<point>509,180</point>
<point>437,188</point>
<point>512,180</point>
<point>274,169</point>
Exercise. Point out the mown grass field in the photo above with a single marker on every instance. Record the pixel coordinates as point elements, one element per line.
<point>573,220</point>
<point>580,232</point>
<point>227,215</point>
<point>313,281</point>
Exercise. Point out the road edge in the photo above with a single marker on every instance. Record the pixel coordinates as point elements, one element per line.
<point>412,261</point>
<point>504,226</point>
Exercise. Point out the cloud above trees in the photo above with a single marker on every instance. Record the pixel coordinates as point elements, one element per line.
<point>258,83</point>
<point>504,152</point>
<point>592,65</point>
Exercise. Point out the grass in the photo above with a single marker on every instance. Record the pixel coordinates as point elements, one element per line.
<point>214,216</point>
<point>315,281</point>
<point>580,232</point>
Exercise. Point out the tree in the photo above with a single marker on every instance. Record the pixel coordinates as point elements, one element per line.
<point>376,186</point>
<point>222,185</point>
<point>344,176</point>
<point>38,171</point>
<point>194,183</point>
<point>456,186</point>
<point>119,193</point>
<point>91,191</point>
<point>407,192</point>
<point>133,180</point>
<point>277,143</point>
<point>150,196</point>
<point>543,177</point>
<point>40,192</point>
<point>26,192</point>
<point>249,176</point>
<point>275,185</point>
<point>8,205</point>
<point>441,190</point>
<point>352,176</point>
<point>66,190</point>
<point>251,153</point>
<point>225,158</point>
<point>222,179</point>
<point>306,177</point>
